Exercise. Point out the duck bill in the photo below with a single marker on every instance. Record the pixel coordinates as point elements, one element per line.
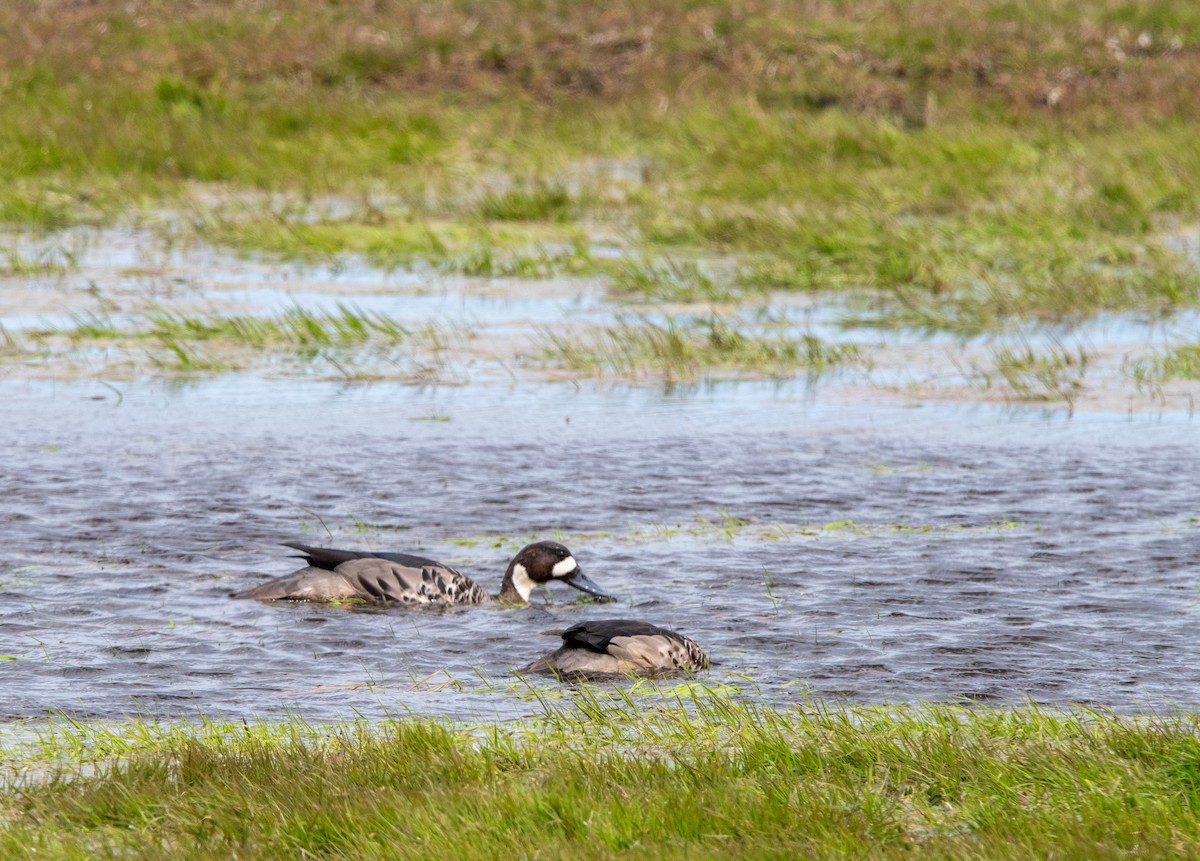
<point>583,584</point>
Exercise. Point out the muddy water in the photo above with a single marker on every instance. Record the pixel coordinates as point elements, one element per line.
<point>886,554</point>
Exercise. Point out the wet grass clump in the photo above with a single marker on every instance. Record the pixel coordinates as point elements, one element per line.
<point>1054,374</point>
<point>352,341</point>
<point>668,280</point>
<point>542,203</point>
<point>685,348</point>
<point>394,237</point>
<point>1178,363</point>
<point>296,327</point>
<point>387,242</point>
<point>692,774</point>
<point>10,345</point>
<point>51,261</point>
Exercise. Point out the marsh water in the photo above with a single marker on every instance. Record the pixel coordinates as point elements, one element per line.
<point>819,537</point>
<point>866,551</point>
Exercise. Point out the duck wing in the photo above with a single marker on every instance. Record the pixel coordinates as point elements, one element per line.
<point>330,558</point>
<point>621,647</point>
<point>390,582</point>
<point>598,636</point>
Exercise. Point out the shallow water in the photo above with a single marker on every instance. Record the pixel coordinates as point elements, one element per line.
<point>487,330</point>
<point>887,553</point>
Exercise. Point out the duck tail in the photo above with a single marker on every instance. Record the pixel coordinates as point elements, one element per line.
<point>541,665</point>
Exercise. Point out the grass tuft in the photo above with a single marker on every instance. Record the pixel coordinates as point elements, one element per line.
<point>1053,375</point>
<point>1178,363</point>
<point>670,280</point>
<point>177,342</point>
<point>541,203</point>
<point>688,347</point>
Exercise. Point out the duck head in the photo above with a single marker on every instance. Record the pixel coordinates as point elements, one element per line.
<point>545,562</point>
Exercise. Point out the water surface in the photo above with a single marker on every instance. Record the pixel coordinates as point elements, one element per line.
<point>815,547</point>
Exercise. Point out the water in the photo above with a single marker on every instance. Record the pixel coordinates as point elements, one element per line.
<point>821,540</point>
<point>887,553</point>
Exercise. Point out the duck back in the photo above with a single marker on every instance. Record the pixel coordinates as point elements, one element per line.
<point>621,647</point>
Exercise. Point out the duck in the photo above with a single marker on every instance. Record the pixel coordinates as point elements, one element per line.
<point>402,579</point>
<point>620,647</point>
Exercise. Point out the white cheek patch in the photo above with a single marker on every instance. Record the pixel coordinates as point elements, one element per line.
<point>567,566</point>
<point>522,581</point>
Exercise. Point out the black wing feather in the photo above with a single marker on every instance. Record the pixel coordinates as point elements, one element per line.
<point>596,636</point>
<point>330,558</point>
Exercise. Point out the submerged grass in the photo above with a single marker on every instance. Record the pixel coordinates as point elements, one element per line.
<point>295,327</point>
<point>690,773</point>
<point>685,348</point>
<point>391,237</point>
<point>1178,363</point>
<point>719,525</point>
<point>669,280</point>
<point>187,344</point>
<point>1055,374</point>
<point>55,261</point>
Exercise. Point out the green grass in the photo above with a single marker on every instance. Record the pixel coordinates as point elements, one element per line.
<point>963,166</point>
<point>501,260</point>
<point>1055,374</point>
<point>360,345</point>
<point>9,343</point>
<point>357,344</point>
<point>687,348</point>
<point>541,203</point>
<point>52,261</point>
<point>678,773</point>
<point>668,280</point>
<point>391,236</point>
<point>297,328</point>
<point>1178,363</point>
<point>715,526</point>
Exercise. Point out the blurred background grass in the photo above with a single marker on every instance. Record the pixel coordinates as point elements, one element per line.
<point>971,162</point>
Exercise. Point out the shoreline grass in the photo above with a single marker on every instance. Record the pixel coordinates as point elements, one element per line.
<point>690,774</point>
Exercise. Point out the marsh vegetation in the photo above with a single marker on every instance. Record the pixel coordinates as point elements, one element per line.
<point>680,771</point>
<point>967,167</point>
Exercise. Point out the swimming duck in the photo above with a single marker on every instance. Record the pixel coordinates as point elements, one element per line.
<point>620,647</point>
<point>401,578</point>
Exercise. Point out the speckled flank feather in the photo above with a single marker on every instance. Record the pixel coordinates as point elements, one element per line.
<point>377,580</point>
<point>621,647</point>
<point>672,651</point>
<point>392,583</point>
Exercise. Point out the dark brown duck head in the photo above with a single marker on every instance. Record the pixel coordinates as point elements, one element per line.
<point>541,563</point>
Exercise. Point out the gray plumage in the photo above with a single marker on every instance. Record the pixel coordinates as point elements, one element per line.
<point>401,579</point>
<point>376,580</point>
<point>621,647</point>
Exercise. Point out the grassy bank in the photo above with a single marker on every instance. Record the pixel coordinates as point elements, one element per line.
<point>965,165</point>
<point>694,777</point>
